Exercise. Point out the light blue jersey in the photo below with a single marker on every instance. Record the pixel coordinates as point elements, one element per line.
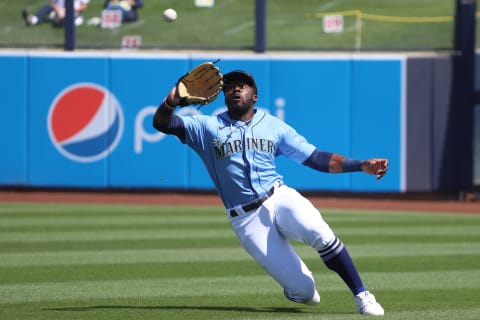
<point>240,156</point>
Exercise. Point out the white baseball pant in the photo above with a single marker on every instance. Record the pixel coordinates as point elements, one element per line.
<point>264,234</point>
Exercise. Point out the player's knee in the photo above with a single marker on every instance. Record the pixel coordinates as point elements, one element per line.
<point>308,296</point>
<point>314,300</point>
<point>318,236</point>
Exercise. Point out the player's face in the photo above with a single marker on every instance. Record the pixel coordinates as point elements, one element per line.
<point>239,98</point>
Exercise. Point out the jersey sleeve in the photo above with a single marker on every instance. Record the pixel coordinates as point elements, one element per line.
<point>195,130</point>
<point>294,146</point>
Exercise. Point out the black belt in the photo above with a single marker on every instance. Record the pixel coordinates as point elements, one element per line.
<point>255,204</point>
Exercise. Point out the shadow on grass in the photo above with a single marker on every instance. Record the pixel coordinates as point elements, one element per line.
<point>205,308</point>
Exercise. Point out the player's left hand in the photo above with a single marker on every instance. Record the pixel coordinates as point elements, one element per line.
<point>201,85</point>
<point>375,166</point>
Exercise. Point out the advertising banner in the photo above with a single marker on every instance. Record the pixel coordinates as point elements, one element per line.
<point>86,120</point>
<point>13,110</point>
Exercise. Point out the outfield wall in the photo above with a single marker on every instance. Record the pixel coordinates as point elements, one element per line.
<point>83,120</point>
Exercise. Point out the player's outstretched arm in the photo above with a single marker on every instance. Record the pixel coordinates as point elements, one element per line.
<point>376,166</point>
<point>337,163</point>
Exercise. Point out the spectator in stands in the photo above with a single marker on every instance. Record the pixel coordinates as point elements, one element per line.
<point>129,8</point>
<point>55,12</point>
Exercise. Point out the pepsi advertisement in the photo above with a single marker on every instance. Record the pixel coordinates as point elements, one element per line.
<point>79,120</point>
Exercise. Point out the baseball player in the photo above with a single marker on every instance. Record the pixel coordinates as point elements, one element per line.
<point>238,147</point>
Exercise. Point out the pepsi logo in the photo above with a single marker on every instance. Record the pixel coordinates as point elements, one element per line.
<point>85,122</point>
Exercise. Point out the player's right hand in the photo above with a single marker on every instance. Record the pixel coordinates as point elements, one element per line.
<point>376,166</point>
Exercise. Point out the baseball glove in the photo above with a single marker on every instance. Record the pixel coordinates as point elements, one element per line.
<point>201,85</point>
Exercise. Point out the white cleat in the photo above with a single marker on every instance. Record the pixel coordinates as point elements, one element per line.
<point>367,305</point>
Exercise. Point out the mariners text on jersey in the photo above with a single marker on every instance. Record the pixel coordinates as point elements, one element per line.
<point>224,149</point>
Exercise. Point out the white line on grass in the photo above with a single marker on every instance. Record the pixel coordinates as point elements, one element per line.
<point>239,28</point>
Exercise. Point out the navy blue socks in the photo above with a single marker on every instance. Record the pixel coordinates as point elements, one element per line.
<point>336,258</point>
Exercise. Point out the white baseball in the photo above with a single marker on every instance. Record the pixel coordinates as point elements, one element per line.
<point>170,15</point>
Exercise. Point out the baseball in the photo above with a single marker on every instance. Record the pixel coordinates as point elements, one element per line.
<point>170,15</point>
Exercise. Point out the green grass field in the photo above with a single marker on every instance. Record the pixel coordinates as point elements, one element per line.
<point>60,261</point>
<point>230,24</point>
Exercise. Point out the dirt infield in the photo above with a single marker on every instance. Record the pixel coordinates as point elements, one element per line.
<point>163,198</point>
